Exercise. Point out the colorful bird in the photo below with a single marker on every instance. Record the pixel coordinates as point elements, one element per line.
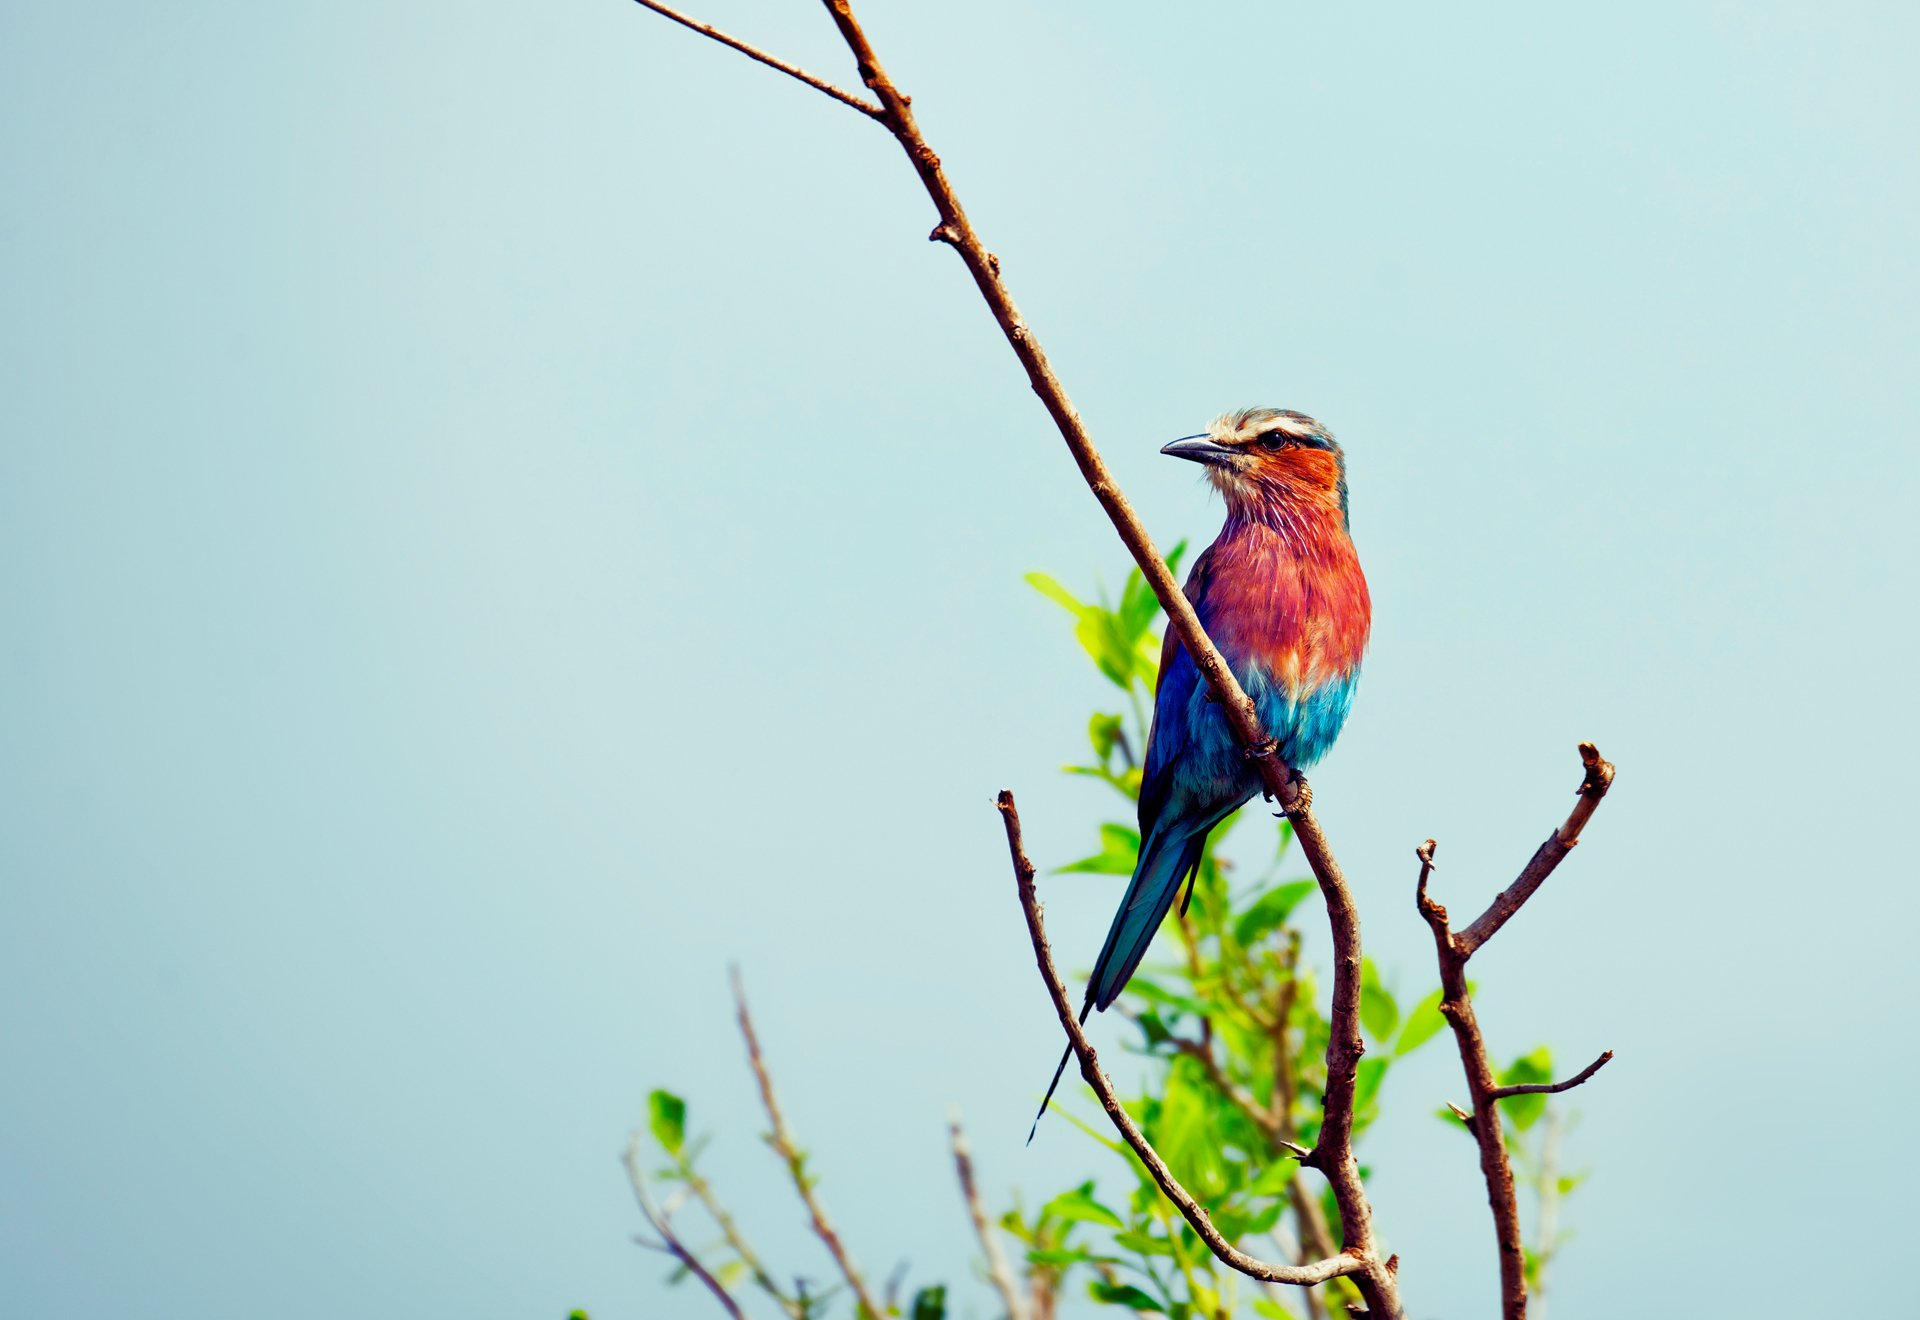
<point>1281,594</point>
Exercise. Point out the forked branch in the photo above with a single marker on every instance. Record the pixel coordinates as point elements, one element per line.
<point>661,1221</point>
<point>866,108</point>
<point>1456,1005</point>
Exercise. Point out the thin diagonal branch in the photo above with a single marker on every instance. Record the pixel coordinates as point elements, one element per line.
<point>957,231</point>
<point>662,1224</point>
<point>730,1230</point>
<point>997,1268</point>
<point>1554,1088</point>
<point>789,1153</point>
<point>866,108</point>
<point>1594,783</point>
<point>1190,1210</point>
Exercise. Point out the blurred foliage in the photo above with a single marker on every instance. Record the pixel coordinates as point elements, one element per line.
<point>1228,1020</point>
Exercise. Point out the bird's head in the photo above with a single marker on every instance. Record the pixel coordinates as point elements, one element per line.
<point>1270,459</point>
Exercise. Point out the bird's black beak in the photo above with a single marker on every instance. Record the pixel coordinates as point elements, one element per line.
<point>1199,449</point>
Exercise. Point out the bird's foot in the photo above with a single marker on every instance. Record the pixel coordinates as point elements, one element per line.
<point>1301,797</point>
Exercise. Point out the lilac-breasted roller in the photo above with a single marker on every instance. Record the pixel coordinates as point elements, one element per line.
<point>1281,594</point>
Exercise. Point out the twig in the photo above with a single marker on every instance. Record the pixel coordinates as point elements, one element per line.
<point>1554,1088</point>
<point>1595,781</point>
<point>703,1192</point>
<point>1456,1005</point>
<point>1182,1200</point>
<point>783,1146</point>
<point>866,108</point>
<point>997,1268</point>
<point>662,1224</point>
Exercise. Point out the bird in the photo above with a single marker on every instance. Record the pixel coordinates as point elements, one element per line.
<point>1281,594</point>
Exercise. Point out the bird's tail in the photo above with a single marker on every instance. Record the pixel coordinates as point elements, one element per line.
<point>1166,860</point>
<point>1058,1072</point>
<point>1164,863</point>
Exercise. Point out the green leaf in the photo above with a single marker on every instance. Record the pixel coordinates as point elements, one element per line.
<point>1099,635</point>
<point>930,1303</point>
<point>1272,1310</point>
<point>1271,909</point>
<point>1103,731</point>
<point>1183,1132</point>
<point>1145,1244</point>
<point>1079,1205</point>
<point>667,1116</point>
<point>1146,988</point>
<point>1119,850</point>
<point>1263,1221</point>
<point>1274,1178</point>
<point>1422,1025</point>
<point>1378,1013</point>
<point>1527,1070</point>
<point>1054,592</point>
<point>1061,1256</point>
<point>1138,604</point>
<point>1124,1294</point>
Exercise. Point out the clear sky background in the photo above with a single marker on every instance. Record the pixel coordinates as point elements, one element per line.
<point>502,512</point>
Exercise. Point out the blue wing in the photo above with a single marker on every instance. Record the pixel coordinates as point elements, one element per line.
<point>1192,779</point>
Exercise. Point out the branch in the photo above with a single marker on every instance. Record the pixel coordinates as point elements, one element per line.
<point>866,108</point>
<point>957,231</point>
<point>1554,1088</point>
<point>997,1267</point>
<point>662,1224</point>
<point>1598,778</point>
<point>783,1146</point>
<point>1456,1005</point>
<point>704,1193</point>
<point>1190,1210</point>
<point>1334,1154</point>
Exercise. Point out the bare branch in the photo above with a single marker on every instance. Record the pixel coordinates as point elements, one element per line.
<point>1594,783</point>
<point>997,1268</point>
<point>1456,1005</point>
<point>1190,1210</point>
<point>1554,1088</point>
<point>730,1230</point>
<point>662,1223</point>
<point>789,1153</point>
<point>866,108</point>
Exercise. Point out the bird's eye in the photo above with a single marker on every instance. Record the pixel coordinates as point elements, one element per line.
<point>1273,440</point>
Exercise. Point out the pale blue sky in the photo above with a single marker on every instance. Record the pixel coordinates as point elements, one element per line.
<point>502,512</point>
